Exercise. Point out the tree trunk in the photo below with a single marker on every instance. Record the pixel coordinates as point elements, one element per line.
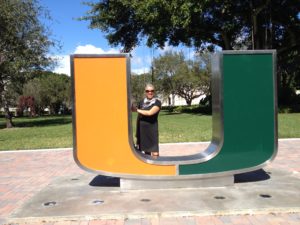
<point>226,41</point>
<point>255,37</point>
<point>254,14</point>
<point>188,102</point>
<point>173,99</point>
<point>8,117</point>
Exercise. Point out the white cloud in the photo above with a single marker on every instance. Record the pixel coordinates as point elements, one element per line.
<point>141,70</point>
<point>63,64</point>
<point>91,49</point>
<point>165,49</point>
<point>139,64</point>
<point>141,61</point>
<point>190,54</point>
<point>64,60</point>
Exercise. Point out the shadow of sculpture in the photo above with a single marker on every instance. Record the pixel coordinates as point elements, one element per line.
<point>105,181</point>
<point>253,176</point>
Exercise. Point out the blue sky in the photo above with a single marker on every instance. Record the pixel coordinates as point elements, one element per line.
<point>76,37</point>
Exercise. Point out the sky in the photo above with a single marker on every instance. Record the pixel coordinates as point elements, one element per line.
<point>76,37</point>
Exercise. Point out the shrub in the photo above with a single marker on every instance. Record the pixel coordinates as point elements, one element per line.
<point>195,109</point>
<point>289,109</point>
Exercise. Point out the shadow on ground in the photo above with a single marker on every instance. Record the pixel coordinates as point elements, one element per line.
<point>104,181</point>
<point>253,176</point>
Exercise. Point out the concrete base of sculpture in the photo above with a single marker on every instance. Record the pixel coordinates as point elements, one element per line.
<point>135,184</point>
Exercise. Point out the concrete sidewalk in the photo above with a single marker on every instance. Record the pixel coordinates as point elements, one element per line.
<point>28,176</point>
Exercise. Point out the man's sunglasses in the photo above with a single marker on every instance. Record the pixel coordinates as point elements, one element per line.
<point>147,91</point>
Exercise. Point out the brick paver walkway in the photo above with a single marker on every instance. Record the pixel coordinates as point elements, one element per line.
<point>24,173</point>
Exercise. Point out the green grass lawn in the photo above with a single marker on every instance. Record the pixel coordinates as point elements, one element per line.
<point>182,127</point>
<point>56,131</point>
<point>289,125</point>
<point>33,133</point>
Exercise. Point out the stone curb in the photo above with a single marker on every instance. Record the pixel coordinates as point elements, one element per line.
<point>149,215</point>
<point>71,148</point>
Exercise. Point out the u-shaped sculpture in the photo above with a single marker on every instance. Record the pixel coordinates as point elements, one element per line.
<point>244,118</point>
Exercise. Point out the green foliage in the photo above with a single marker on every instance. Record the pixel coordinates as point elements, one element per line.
<point>165,68</point>
<point>233,24</point>
<point>24,47</point>
<point>193,79</point>
<point>194,109</point>
<point>26,103</point>
<point>50,90</point>
<point>138,83</point>
<point>189,79</point>
<point>228,24</point>
<point>289,109</point>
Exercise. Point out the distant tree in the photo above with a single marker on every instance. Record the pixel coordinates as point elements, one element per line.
<point>24,47</point>
<point>50,90</point>
<point>34,88</point>
<point>165,67</point>
<point>26,103</point>
<point>204,60</point>
<point>175,75</point>
<point>138,83</point>
<point>192,80</point>
<point>60,93</point>
<point>289,79</point>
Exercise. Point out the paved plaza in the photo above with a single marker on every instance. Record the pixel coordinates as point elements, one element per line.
<point>28,177</point>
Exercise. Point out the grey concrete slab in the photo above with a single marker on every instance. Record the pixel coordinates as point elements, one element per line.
<point>138,184</point>
<point>99,197</point>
